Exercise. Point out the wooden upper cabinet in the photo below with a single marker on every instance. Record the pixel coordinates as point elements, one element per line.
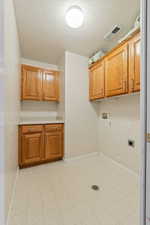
<point>39,84</point>
<point>31,83</point>
<point>97,74</point>
<point>116,72</point>
<point>134,63</point>
<point>50,86</point>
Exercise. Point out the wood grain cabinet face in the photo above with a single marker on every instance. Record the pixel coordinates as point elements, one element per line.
<point>32,148</point>
<point>53,145</point>
<point>120,72</point>
<point>50,86</point>
<point>31,83</point>
<point>39,84</point>
<point>116,72</point>
<point>40,143</point>
<point>134,63</point>
<point>97,76</point>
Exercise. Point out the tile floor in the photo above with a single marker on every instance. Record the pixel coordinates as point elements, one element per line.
<point>60,194</point>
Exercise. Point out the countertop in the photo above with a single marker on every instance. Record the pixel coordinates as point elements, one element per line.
<point>28,121</point>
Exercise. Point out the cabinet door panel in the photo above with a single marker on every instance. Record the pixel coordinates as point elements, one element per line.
<point>134,64</point>
<point>116,72</point>
<point>97,82</point>
<point>53,145</point>
<point>32,148</point>
<point>50,86</point>
<point>31,83</point>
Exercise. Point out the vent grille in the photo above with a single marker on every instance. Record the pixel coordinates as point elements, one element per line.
<point>111,34</point>
<point>115,30</point>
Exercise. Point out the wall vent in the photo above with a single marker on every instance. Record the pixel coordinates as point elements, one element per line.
<point>111,34</point>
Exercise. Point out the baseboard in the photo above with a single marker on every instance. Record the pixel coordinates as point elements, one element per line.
<point>12,197</point>
<point>120,165</point>
<point>81,157</point>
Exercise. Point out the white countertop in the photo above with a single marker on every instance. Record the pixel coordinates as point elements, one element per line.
<point>28,121</point>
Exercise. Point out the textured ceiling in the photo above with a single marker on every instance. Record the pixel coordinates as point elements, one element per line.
<point>44,34</point>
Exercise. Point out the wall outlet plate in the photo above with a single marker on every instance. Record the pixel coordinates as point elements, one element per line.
<point>105,116</point>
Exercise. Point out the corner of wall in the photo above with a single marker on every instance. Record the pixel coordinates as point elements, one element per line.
<point>12,100</point>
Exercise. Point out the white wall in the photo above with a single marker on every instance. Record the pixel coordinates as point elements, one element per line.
<point>12,99</point>
<point>84,126</point>
<point>1,33</point>
<point>146,84</point>
<point>61,105</point>
<point>30,109</point>
<point>2,149</point>
<point>124,124</point>
<point>81,127</point>
<point>37,109</point>
<point>2,187</point>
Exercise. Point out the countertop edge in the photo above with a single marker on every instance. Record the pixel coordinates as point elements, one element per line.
<point>39,122</point>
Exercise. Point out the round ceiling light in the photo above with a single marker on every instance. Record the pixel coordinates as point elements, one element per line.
<point>74,17</point>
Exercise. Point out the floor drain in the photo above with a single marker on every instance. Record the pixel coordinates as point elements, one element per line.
<point>95,187</point>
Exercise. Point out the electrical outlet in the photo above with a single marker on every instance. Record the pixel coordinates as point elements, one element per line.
<point>131,143</point>
<point>105,116</point>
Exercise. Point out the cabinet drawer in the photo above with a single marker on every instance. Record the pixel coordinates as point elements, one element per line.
<point>31,129</point>
<point>53,127</point>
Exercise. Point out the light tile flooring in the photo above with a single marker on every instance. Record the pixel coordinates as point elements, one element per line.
<point>60,194</point>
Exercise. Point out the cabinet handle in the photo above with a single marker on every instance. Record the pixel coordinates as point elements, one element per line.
<point>132,84</point>
<point>125,85</point>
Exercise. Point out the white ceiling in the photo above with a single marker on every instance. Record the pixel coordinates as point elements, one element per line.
<point>44,34</point>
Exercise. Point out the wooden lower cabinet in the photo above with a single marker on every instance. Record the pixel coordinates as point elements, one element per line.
<point>40,143</point>
<point>53,145</point>
<point>32,148</point>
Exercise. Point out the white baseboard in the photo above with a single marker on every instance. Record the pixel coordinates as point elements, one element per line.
<point>69,159</point>
<point>120,165</point>
<point>103,155</point>
<point>12,197</point>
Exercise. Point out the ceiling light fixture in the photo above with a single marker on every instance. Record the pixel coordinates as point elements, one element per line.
<point>74,17</point>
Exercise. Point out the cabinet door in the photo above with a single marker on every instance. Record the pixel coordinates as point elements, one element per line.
<point>116,71</point>
<point>50,86</point>
<point>32,148</point>
<point>31,83</point>
<point>53,145</point>
<point>134,64</point>
<point>97,82</point>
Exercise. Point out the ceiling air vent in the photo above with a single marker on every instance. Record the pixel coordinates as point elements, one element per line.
<point>111,34</point>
